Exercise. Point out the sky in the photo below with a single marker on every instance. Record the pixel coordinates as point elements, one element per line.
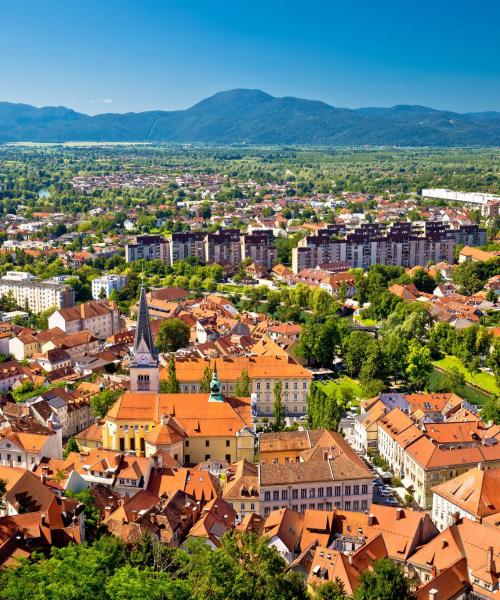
<point>120,56</point>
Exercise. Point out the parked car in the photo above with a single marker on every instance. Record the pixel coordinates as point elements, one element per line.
<point>391,502</point>
<point>384,492</point>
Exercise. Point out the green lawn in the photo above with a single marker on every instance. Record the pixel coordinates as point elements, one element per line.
<point>364,322</point>
<point>483,380</point>
<point>344,382</point>
<point>471,394</point>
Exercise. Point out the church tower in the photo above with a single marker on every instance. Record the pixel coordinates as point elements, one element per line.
<point>144,367</point>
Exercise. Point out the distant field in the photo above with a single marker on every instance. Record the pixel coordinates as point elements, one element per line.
<point>365,322</point>
<point>344,382</point>
<point>483,380</point>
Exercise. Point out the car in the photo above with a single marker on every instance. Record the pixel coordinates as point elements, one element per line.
<point>378,482</point>
<point>383,492</point>
<point>391,501</point>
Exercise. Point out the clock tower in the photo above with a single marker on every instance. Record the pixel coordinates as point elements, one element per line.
<point>144,367</point>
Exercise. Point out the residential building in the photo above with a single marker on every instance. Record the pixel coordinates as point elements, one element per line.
<point>425,457</point>
<point>223,247</point>
<point>184,245</point>
<point>260,248</point>
<point>34,294</point>
<point>311,469</point>
<point>148,247</point>
<point>100,317</point>
<point>242,489</point>
<point>400,244</point>
<point>473,495</point>
<point>104,285</point>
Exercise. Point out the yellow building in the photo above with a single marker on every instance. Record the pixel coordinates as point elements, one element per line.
<point>192,427</point>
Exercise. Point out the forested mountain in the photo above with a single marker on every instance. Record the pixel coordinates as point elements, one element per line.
<point>254,117</point>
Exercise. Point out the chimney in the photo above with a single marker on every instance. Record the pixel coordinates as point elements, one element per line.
<point>433,571</point>
<point>399,514</point>
<point>433,594</point>
<point>43,478</point>
<point>489,561</point>
<point>371,519</point>
<point>49,425</point>
<point>44,520</point>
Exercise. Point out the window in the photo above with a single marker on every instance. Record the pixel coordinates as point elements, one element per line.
<point>329,491</point>
<point>303,507</point>
<point>338,490</point>
<point>356,490</point>
<point>295,494</point>
<point>207,443</point>
<point>187,444</point>
<point>228,458</point>
<point>187,457</point>
<point>284,494</point>
<point>132,444</point>
<point>207,456</point>
<point>337,504</point>
<point>312,506</point>
<point>228,443</point>
<point>347,505</point>
<point>242,506</point>
<point>312,493</point>
<point>320,492</point>
<point>276,495</point>
<point>303,493</point>
<point>19,459</point>
<point>252,506</point>
<point>364,489</point>
<point>267,496</point>
<point>267,510</point>
<point>320,506</point>
<point>347,490</point>
<point>364,504</point>
<point>122,444</point>
<point>304,385</point>
<point>355,505</point>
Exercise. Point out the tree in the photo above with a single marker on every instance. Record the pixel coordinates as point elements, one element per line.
<point>171,386</point>
<point>242,387</point>
<point>419,365</point>
<point>491,410</point>
<point>324,411</point>
<point>172,335</point>
<point>385,582</point>
<point>207,380</point>
<point>279,407</point>
<point>423,281</point>
<point>103,401</point>
<point>71,446</point>
<point>354,351</point>
<point>332,590</point>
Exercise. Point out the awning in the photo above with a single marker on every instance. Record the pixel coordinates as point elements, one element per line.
<point>407,483</point>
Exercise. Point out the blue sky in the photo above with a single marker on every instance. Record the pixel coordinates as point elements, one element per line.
<point>118,56</point>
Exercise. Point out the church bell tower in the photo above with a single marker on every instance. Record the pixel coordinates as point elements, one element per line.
<point>144,367</point>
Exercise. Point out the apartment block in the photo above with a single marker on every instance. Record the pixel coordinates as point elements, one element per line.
<point>103,286</point>
<point>223,247</point>
<point>185,245</point>
<point>400,244</point>
<point>148,247</point>
<point>258,246</point>
<point>37,295</point>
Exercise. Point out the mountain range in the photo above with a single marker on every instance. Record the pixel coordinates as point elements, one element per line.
<point>254,117</point>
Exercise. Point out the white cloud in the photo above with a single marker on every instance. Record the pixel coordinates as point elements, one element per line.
<point>102,101</point>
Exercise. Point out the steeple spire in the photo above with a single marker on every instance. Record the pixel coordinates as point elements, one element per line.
<point>143,337</point>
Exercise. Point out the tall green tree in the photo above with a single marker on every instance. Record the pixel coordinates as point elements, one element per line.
<point>385,582</point>
<point>279,407</point>
<point>172,335</point>
<point>206,380</point>
<point>100,403</point>
<point>242,387</point>
<point>171,385</point>
<point>419,365</point>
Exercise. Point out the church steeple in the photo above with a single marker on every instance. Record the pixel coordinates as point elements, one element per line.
<point>144,374</point>
<point>215,388</point>
<point>143,336</point>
